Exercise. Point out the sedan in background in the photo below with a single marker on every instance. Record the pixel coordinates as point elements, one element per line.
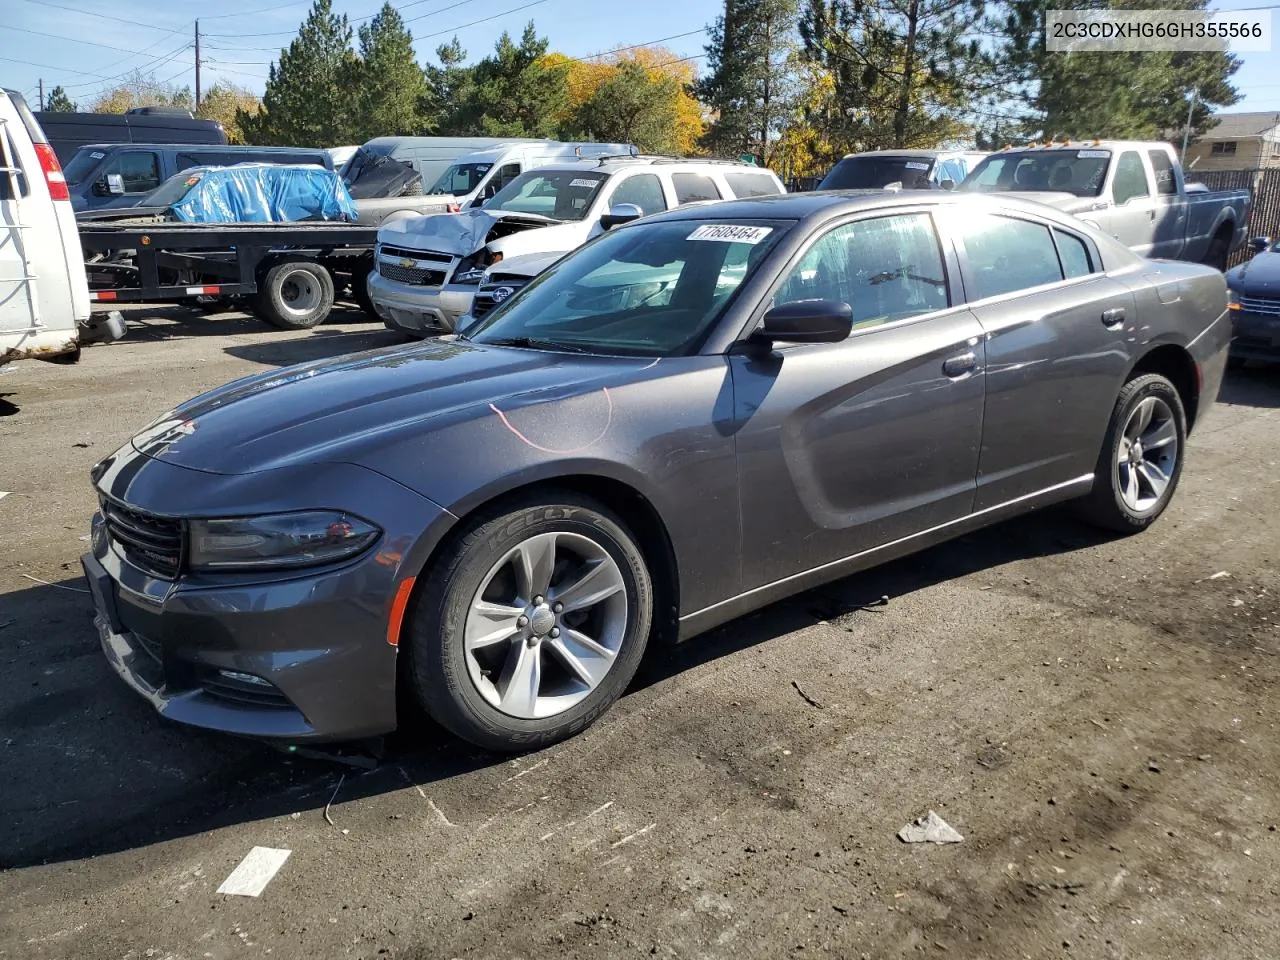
<point>1254,295</point>
<point>690,417</point>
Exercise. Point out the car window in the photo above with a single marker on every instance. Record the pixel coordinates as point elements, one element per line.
<point>952,168</point>
<point>644,190</point>
<point>886,268</point>
<point>692,187</point>
<point>1006,254</point>
<point>751,184</point>
<point>560,195</point>
<point>1131,178</point>
<point>1080,172</point>
<point>1074,254</point>
<point>140,171</point>
<point>652,289</point>
<point>1166,185</point>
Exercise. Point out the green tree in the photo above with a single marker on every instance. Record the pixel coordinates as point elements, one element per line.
<point>392,89</point>
<point>226,102</point>
<point>1139,95</point>
<point>513,92</point>
<point>749,85</point>
<point>448,85</point>
<point>632,105</point>
<point>308,97</point>
<point>59,102</point>
<point>907,73</point>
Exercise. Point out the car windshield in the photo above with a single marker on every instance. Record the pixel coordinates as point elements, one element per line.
<point>875,173</point>
<point>460,179</point>
<point>1081,172</point>
<point>649,290</point>
<point>173,189</point>
<point>82,165</point>
<point>562,195</point>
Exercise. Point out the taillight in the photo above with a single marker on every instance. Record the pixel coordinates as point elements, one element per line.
<point>53,177</point>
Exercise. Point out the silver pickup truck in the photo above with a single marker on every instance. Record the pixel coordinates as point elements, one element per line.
<point>1134,191</point>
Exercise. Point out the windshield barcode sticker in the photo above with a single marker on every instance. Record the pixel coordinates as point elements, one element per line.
<point>729,233</point>
<point>583,183</point>
<point>1093,154</point>
<point>916,165</point>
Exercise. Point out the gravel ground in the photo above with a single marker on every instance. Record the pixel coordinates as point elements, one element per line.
<point>1096,717</point>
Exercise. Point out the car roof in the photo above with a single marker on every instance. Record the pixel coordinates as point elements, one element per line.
<point>616,164</point>
<point>829,204</point>
<point>202,147</point>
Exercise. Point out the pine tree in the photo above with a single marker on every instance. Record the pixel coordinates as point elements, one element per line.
<point>310,95</point>
<point>448,85</point>
<point>392,96</point>
<point>749,85</point>
<point>59,102</point>
<point>513,92</point>
<point>907,73</point>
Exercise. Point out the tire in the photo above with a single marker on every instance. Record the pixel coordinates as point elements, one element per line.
<point>475,692</point>
<point>1124,496</point>
<point>294,295</point>
<point>1236,363</point>
<point>360,291</point>
<point>1219,251</point>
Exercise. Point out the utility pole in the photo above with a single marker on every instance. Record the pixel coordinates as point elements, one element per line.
<point>1186,131</point>
<point>197,64</point>
<point>42,94</point>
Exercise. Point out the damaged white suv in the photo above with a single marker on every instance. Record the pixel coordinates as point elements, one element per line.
<point>427,269</point>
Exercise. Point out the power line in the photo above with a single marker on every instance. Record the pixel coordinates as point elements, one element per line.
<point>441,33</point>
<point>45,66</point>
<point>103,16</point>
<point>288,33</point>
<point>245,13</point>
<point>54,36</point>
<point>157,62</point>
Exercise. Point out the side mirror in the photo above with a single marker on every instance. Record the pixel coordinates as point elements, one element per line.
<point>807,321</point>
<point>948,184</point>
<point>619,214</point>
<point>478,201</point>
<point>1260,244</point>
<point>115,184</point>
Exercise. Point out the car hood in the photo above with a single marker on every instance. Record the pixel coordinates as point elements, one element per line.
<point>346,408</point>
<point>1259,277</point>
<point>457,234</point>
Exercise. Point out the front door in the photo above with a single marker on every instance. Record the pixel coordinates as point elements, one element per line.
<point>847,446</point>
<point>1132,219</point>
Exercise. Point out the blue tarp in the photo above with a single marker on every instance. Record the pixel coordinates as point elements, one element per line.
<point>264,193</point>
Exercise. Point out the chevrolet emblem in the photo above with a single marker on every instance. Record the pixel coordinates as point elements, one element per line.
<point>408,263</point>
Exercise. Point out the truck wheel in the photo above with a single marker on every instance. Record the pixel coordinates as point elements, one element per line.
<point>1219,250</point>
<point>294,295</point>
<point>360,290</point>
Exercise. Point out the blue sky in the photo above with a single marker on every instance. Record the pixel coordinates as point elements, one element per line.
<point>85,44</point>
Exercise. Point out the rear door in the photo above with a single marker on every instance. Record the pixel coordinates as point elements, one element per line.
<point>1057,332</point>
<point>845,447</point>
<point>1170,208</point>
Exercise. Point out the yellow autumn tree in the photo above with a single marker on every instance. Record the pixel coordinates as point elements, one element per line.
<point>224,102</point>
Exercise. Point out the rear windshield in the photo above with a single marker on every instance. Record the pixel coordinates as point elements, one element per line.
<point>561,195</point>
<point>1081,172</point>
<point>876,173</point>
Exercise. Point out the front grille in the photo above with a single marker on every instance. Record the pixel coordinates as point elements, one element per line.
<point>411,275</point>
<point>486,299</point>
<point>1265,305</point>
<point>152,543</point>
<point>404,253</point>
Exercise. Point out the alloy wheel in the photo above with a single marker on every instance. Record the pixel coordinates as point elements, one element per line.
<point>1148,455</point>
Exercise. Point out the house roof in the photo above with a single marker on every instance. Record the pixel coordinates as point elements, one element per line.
<point>1239,126</point>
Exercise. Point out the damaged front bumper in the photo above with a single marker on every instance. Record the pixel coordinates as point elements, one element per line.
<point>419,311</point>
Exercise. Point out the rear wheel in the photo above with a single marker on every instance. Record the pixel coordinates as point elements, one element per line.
<point>294,295</point>
<point>532,625</point>
<point>1141,458</point>
<point>360,290</point>
<point>1219,250</point>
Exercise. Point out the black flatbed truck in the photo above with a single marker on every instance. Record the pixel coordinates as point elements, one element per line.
<point>286,271</point>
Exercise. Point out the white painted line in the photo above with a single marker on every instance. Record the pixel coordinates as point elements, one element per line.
<point>3,494</point>
<point>255,872</point>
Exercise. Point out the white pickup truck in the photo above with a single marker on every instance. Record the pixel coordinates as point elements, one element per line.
<point>1133,190</point>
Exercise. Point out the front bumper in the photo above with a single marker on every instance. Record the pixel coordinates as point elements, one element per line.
<point>1256,336</point>
<point>302,657</point>
<point>420,311</point>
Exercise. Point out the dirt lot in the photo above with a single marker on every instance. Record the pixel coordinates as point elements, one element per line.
<point>1098,718</point>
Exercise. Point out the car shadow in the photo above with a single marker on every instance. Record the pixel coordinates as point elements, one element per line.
<point>1256,385</point>
<point>90,769</point>
<point>320,345</point>
<point>7,407</point>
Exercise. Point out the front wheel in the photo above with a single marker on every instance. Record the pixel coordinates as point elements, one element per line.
<point>533,623</point>
<point>294,295</point>
<point>1141,458</point>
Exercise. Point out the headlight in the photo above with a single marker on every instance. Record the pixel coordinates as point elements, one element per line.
<point>471,269</point>
<point>302,539</point>
<point>1233,299</point>
<point>469,276</point>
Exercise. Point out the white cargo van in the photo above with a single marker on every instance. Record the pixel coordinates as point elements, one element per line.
<point>44,295</point>
<point>477,176</point>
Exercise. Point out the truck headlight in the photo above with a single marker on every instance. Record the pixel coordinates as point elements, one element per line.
<point>283,540</point>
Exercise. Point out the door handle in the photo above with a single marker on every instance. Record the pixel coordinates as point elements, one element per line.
<point>960,364</point>
<point>1151,214</point>
<point>1113,317</point>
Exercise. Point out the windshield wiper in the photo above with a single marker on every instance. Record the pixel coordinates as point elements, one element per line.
<point>534,343</point>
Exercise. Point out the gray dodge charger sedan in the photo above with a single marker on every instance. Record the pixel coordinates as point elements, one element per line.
<point>694,415</point>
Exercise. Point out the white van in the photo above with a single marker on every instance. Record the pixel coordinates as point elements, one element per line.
<point>44,295</point>
<point>477,176</point>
